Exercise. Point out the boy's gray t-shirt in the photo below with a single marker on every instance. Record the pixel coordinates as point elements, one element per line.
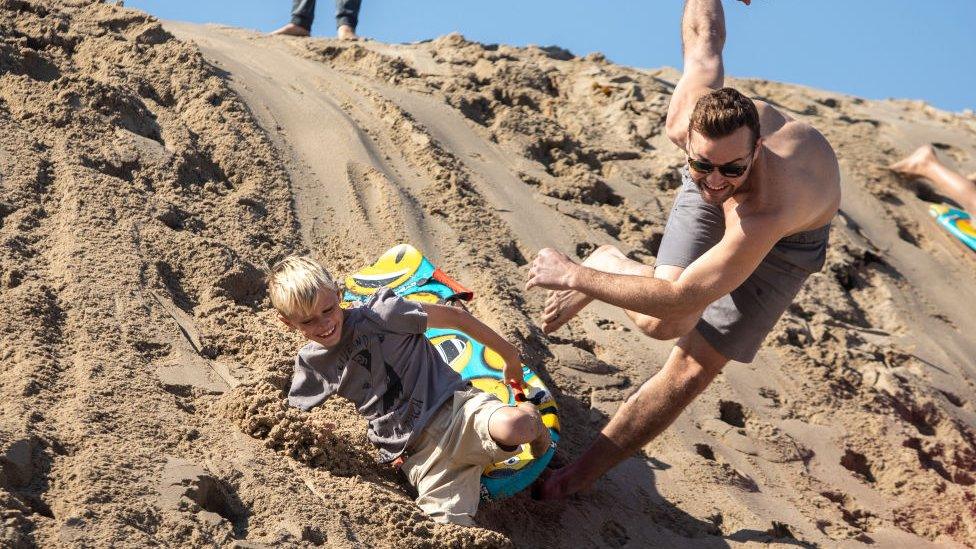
<point>384,365</point>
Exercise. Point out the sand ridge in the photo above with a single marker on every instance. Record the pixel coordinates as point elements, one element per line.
<point>147,181</point>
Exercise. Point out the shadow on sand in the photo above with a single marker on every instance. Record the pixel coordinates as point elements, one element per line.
<point>625,507</point>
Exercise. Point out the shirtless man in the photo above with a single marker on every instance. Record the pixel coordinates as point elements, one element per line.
<point>749,225</point>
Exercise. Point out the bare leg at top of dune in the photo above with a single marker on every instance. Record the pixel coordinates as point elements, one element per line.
<point>303,14</point>
<point>924,163</point>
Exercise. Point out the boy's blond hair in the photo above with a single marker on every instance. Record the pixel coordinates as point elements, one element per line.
<point>294,283</point>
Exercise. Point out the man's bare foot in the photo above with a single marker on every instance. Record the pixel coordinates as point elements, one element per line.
<point>563,305</point>
<point>345,32</point>
<point>915,163</point>
<point>292,29</point>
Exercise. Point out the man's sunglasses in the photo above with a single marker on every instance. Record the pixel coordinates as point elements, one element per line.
<point>727,170</point>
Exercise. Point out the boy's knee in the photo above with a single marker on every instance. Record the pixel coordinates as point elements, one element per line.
<point>526,426</point>
<point>516,426</point>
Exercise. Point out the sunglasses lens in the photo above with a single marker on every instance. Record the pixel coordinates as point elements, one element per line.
<point>732,171</point>
<point>699,166</point>
<point>727,170</point>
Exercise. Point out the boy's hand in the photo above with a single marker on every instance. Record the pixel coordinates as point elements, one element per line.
<point>513,372</point>
<point>442,316</point>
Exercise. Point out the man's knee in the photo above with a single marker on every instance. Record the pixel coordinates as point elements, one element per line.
<point>692,366</point>
<point>692,373</point>
<point>664,330</point>
<point>609,249</point>
<point>695,361</point>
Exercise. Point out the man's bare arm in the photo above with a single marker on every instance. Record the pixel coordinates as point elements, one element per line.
<point>717,272</point>
<point>702,40</point>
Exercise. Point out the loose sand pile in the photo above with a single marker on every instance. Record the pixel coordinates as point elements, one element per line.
<point>144,185</point>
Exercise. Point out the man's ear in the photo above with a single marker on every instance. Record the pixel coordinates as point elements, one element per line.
<point>284,320</point>
<point>755,151</point>
<point>687,147</point>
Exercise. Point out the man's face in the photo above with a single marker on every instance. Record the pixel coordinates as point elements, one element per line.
<point>323,324</point>
<point>735,150</point>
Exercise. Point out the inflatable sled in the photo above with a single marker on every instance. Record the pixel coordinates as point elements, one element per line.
<point>956,222</point>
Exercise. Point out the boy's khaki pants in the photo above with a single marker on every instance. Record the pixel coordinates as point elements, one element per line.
<point>446,460</point>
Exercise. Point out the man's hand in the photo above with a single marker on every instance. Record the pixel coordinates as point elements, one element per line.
<point>551,270</point>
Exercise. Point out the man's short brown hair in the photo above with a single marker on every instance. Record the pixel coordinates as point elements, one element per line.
<point>721,112</point>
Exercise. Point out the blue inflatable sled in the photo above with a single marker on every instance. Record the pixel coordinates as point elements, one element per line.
<point>956,222</point>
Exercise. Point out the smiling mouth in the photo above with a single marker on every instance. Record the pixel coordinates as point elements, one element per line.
<point>324,335</point>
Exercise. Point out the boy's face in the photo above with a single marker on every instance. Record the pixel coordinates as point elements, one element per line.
<point>324,324</point>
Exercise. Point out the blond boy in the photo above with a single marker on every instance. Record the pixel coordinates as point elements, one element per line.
<point>419,410</point>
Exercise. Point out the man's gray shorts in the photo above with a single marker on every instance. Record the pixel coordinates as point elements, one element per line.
<point>737,323</point>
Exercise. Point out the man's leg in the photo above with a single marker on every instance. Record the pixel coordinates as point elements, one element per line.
<point>302,15</point>
<point>562,306</point>
<point>924,163</point>
<point>693,364</point>
<point>347,18</point>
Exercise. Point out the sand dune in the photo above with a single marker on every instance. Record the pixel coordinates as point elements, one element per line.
<point>149,172</point>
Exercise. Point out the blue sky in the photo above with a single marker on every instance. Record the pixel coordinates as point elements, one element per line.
<point>918,49</point>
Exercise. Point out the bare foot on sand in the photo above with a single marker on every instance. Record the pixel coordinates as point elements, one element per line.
<point>292,29</point>
<point>915,163</point>
<point>345,32</point>
<point>563,305</point>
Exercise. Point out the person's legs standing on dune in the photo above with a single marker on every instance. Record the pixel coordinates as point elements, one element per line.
<point>303,14</point>
<point>347,18</point>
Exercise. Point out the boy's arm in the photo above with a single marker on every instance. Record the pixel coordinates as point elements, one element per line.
<point>443,316</point>
<point>309,386</point>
